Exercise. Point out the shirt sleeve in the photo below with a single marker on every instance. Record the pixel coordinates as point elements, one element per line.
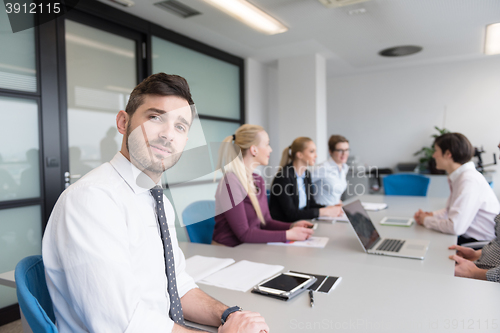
<point>493,274</point>
<point>276,225</point>
<point>440,214</point>
<point>93,249</point>
<point>460,214</point>
<point>238,222</point>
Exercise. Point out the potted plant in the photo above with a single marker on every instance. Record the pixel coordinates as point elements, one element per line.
<point>427,164</point>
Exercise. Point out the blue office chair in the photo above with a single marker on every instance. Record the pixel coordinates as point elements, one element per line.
<point>268,193</point>
<point>33,295</point>
<point>200,228</point>
<point>406,184</point>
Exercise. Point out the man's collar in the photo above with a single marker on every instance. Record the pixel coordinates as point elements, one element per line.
<point>455,174</point>
<point>334,164</point>
<point>138,181</point>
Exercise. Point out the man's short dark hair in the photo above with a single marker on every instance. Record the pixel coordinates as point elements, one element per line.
<point>458,145</point>
<point>334,139</point>
<point>159,84</point>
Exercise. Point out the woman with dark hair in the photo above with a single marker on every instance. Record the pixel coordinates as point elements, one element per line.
<point>472,205</point>
<point>291,191</point>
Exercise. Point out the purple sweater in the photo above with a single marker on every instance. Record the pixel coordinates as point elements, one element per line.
<point>236,221</point>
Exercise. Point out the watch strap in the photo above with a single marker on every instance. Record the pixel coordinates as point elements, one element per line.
<point>228,311</point>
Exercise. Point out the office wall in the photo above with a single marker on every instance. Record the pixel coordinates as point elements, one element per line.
<point>389,115</point>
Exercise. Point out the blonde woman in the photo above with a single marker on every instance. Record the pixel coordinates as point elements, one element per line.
<point>291,197</point>
<point>241,201</point>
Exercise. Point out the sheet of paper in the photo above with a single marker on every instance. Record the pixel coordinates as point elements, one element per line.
<point>242,276</point>
<point>199,267</point>
<point>374,206</point>
<point>319,242</point>
<point>342,218</point>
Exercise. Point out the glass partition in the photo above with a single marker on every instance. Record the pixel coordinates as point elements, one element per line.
<point>214,84</point>
<point>18,57</point>
<point>20,236</point>
<point>101,73</point>
<point>20,151</point>
<point>215,87</point>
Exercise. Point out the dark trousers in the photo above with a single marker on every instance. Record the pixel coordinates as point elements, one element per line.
<point>461,240</point>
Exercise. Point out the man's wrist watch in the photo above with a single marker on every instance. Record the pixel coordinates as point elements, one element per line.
<point>228,311</point>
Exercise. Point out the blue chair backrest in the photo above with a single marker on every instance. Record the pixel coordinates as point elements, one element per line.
<point>33,295</point>
<point>406,184</point>
<point>199,219</point>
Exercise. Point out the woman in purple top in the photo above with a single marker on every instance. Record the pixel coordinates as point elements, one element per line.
<point>242,213</point>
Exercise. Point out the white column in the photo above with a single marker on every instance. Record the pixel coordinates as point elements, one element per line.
<point>255,93</point>
<point>302,102</point>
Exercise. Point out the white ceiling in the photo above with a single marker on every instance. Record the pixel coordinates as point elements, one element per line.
<point>448,30</point>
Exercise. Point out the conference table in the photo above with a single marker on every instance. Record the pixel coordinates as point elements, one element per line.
<point>377,293</point>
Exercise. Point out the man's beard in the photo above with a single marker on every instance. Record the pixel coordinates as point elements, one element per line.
<point>139,148</point>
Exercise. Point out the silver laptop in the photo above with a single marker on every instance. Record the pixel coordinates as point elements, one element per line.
<point>374,244</point>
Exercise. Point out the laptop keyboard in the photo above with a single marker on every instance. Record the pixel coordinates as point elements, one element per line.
<point>391,245</point>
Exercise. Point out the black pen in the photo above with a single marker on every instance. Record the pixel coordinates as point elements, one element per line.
<point>312,298</point>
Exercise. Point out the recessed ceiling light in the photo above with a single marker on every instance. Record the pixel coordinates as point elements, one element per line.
<point>400,51</point>
<point>124,3</point>
<point>249,14</point>
<point>492,41</point>
<point>177,8</point>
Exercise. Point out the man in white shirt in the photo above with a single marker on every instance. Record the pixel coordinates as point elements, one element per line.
<point>330,177</point>
<point>105,260</point>
<point>472,206</point>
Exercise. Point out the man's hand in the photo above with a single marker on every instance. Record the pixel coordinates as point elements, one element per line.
<point>302,223</point>
<point>244,322</point>
<point>466,252</point>
<point>466,268</point>
<point>421,215</point>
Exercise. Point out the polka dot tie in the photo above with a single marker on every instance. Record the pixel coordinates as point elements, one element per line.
<point>175,303</point>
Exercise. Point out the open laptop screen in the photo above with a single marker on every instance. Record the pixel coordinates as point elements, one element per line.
<point>361,223</point>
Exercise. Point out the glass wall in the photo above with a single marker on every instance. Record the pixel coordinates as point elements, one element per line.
<point>101,73</point>
<point>20,170</point>
<point>215,87</point>
<point>17,58</point>
<point>214,84</point>
<point>20,236</point>
<point>19,152</point>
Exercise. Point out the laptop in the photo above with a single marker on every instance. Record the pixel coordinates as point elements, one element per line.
<point>374,244</point>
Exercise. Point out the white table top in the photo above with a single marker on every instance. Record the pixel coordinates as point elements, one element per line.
<point>7,279</point>
<point>377,293</point>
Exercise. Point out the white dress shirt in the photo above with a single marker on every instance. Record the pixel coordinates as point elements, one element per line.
<point>302,190</point>
<point>103,254</point>
<point>330,182</point>
<point>471,208</point>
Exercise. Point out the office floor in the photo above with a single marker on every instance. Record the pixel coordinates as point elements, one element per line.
<point>14,327</point>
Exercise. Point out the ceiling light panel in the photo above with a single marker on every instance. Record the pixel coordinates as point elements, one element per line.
<point>250,15</point>
<point>492,41</point>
